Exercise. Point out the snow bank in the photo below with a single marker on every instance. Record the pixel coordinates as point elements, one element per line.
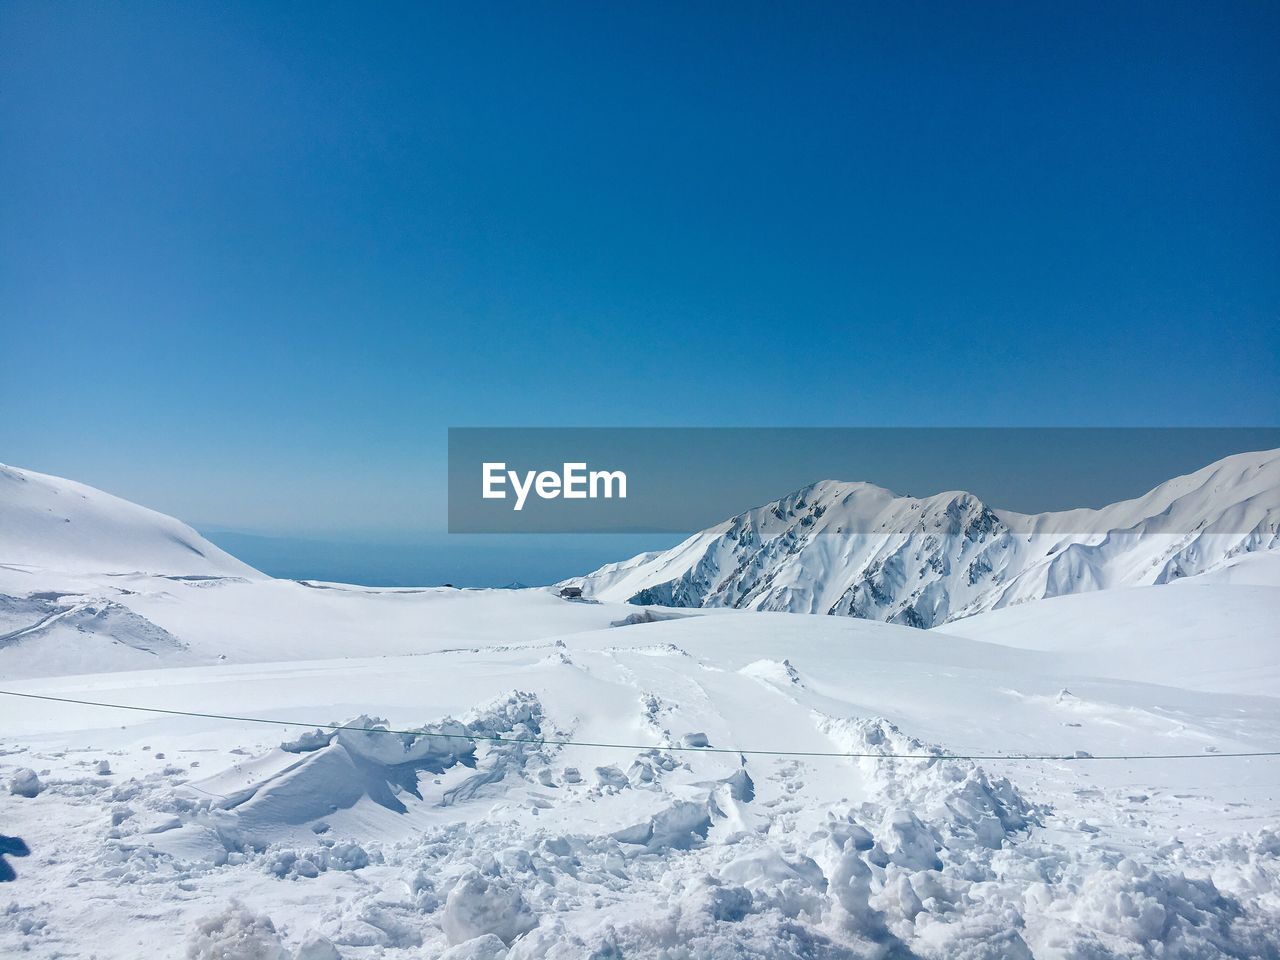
<point>481,906</point>
<point>25,783</point>
<point>237,933</point>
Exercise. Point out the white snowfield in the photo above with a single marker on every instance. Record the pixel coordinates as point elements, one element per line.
<point>667,829</point>
<point>855,549</point>
<point>1192,634</point>
<point>50,523</point>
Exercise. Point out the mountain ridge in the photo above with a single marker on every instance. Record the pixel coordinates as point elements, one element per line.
<point>857,549</point>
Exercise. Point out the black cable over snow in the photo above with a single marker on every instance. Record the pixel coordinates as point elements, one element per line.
<point>538,741</point>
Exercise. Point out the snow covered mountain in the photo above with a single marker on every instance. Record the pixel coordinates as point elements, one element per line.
<point>75,566</point>
<point>855,549</point>
<point>55,524</point>
<point>359,773</point>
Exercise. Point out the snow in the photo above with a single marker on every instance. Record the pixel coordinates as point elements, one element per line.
<point>1201,634</point>
<point>695,812</point>
<point>855,549</point>
<point>138,621</point>
<point>25,783</point>
<point>418,845</point>
<point>1249,569</point>
<point>48,522</point>
<point>237,932</point>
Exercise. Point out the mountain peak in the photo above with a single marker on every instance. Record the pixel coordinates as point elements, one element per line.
<point>856,549</point>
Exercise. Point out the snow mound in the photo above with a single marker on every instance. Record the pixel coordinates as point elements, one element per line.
<point>50,523</point>
<point>25,783</point>
<point>356,764</point>
<point>481,907</point>
<point>965,806</point>
<point>237,933</point>
<point>292,793</point>
<point>40,635</point>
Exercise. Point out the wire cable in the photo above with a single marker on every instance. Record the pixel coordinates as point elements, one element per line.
<point>539,741</point>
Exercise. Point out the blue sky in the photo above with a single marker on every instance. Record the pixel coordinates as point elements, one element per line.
<point>256,258</point>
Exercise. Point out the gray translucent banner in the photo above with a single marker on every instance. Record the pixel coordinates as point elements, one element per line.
<point>680,480</point>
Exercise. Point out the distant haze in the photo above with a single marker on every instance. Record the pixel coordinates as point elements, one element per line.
<point>464,561</point>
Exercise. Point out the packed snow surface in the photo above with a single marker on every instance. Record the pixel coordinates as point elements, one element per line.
<point>505,774</point>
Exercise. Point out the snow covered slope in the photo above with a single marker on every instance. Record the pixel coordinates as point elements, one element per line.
<point>693,815</point>
<point>86,624</point>
<point>71,559</point>
<point>90,583</point>
<point>1248,569</point>
<point>57,524</point>
<point>1197,633</point>
<point>855,549</point>
<point>238,840</point>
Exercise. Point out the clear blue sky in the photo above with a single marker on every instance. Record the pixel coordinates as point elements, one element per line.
<point>255,258</point>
